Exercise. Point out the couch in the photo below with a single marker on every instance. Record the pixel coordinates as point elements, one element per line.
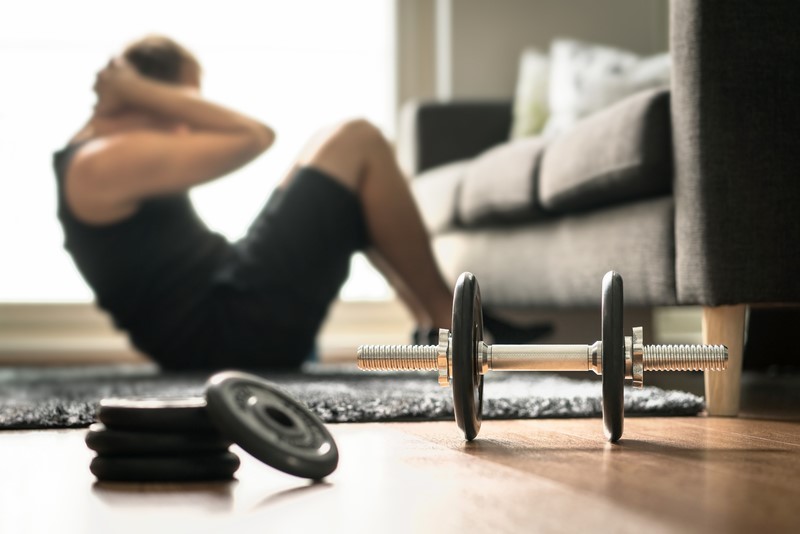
<point>691,192</point>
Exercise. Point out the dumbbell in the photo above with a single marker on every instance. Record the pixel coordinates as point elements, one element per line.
<point>462,358</point>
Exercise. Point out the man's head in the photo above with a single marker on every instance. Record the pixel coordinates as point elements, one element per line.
<point>163,59</point>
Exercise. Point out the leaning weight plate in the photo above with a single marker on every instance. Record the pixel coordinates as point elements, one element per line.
<point>467,334</point>
<point>156,415</point>
<point>111,442</point>
<point>183,468</point>
<point>613,357</point>
<point>271,425</point>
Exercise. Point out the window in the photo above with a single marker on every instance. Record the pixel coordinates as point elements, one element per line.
<point>297,65</point>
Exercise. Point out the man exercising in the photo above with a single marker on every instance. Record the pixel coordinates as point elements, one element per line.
<point>187,297</point>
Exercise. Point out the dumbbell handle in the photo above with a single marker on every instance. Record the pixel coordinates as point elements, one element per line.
<point>585,358</point>
<point>638,357</point>
<point>496,357</point>
<point>541,358</point>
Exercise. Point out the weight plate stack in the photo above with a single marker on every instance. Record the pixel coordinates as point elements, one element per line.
<point>187,439</point>
<point>158,440</point>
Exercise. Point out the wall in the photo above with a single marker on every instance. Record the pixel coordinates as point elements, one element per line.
<point>415,31</point>
<point>475,45</point>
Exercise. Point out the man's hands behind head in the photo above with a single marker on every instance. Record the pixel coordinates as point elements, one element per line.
<point>109,86</point>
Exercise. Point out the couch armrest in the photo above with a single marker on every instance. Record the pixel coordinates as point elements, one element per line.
<point>736,124</point>
<point>434,133</point>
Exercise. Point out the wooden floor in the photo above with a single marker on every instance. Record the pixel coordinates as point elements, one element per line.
<point>692,474</point>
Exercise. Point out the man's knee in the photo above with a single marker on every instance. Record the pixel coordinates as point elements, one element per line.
<point>346,151</point>
<point>360,131</point>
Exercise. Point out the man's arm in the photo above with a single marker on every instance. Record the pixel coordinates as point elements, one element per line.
<point>130,166</point>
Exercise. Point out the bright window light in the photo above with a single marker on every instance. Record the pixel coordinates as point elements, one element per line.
<point>296,65</point>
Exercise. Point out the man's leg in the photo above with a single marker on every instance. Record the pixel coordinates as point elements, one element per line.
<point>358,156</point>
<point>421,316</point>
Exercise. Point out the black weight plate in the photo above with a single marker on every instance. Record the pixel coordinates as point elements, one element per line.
<point>156,415</point>
<point>271,425</point>
<point>111,442</point>
<point>467,333</point>
<point>183,468</point>
<point>613,357</point>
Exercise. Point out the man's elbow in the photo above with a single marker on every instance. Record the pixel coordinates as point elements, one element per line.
<point>264,137</point>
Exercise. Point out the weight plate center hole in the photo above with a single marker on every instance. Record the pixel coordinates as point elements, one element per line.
<point>279,416</point>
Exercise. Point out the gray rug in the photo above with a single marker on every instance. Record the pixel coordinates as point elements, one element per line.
<point>67,398</point>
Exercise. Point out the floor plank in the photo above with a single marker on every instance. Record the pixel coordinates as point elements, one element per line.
<point>667,475</point>
<point>688,479</point>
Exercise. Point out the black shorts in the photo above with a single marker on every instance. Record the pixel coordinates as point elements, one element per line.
<point>272,296</point>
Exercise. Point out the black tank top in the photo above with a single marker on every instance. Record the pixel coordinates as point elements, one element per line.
<point>153,271</point>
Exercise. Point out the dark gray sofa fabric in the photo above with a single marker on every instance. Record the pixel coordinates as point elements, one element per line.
<point>499,186</point>
<point>436,193</point>
<point>618,154</point>
<point>736,122</point>
<point>562,261</point>
<point>735,119</point>
<point>438,133</point>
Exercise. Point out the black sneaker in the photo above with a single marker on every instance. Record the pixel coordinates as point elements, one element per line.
<point>425,336</point>
<point>505,333</point>
<point>496,330</point>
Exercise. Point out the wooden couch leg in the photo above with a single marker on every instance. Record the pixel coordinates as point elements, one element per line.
<point>725,325</point>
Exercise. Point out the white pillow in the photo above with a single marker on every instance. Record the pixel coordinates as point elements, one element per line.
<point>530,100</point>
<point>585,78</point>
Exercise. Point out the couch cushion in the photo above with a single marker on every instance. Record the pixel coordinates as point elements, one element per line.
<point>560,262</point>
<point>585,78</point>
<point>436,192</point>
<point>530,98</point>
<point>500,185</point>
<point>618,154</point>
